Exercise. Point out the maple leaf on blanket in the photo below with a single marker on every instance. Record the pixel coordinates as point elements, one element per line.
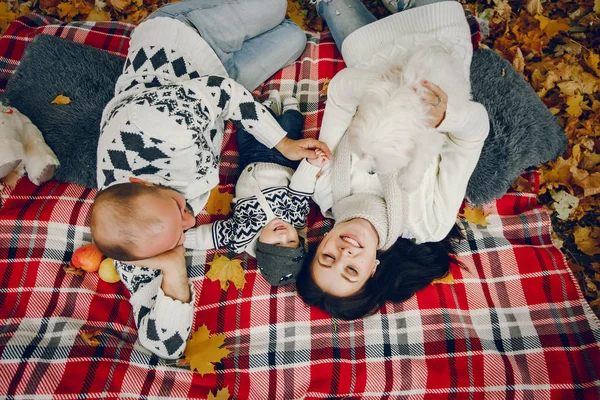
<point>474,215</point>
<point>203,350</point>
<point>447,279</point>
<point>91,337</point>
<point>223,269</point>
<point>222,394</point>
<point>219,203</point>
<point>61,99</point>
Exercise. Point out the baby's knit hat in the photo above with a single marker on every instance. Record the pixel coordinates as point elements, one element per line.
<point>280,265</point>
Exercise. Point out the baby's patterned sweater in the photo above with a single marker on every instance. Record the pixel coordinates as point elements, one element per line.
<point>264,191</point>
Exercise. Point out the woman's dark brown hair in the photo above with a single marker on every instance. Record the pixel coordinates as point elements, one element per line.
<point>404,269</point>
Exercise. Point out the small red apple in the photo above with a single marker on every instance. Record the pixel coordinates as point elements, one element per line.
<point>87,257</point>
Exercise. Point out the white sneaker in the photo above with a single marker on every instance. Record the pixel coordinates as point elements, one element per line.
<point>391,5</point>
<point>274,101</point>
<point>291,103</point>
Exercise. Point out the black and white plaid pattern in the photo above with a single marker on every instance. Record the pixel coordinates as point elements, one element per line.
<point>249,217</point>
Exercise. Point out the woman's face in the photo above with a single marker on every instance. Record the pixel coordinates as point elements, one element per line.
<point>346,258</point>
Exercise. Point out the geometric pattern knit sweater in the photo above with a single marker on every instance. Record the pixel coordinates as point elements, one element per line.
<point>165,125</point>
<point>264,191</point>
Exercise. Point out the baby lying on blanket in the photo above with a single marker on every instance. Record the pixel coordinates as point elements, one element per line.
<point>271,202</point>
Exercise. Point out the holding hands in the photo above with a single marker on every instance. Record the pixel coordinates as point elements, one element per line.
<point>303,148</point>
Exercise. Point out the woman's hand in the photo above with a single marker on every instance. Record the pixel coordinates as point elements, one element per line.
<point>303,148</point>
<point>437,100</point>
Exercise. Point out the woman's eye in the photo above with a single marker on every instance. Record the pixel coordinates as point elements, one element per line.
<point>329,256</point>
<point>352,271</point>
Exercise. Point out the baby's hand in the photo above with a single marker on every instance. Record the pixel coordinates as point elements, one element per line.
<point>320,160</point>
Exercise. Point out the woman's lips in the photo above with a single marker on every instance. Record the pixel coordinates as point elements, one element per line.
<point>353,240</point>
<point>279,227</point>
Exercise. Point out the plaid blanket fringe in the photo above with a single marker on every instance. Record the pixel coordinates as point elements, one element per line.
<point>513,324</point>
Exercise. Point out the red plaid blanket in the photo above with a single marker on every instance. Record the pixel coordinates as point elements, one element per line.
<point>512,325</point>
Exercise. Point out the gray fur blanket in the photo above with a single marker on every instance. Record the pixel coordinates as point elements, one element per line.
<point>523,131</point>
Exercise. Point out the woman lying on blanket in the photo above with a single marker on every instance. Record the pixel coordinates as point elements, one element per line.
<point>391,235</point>
<point>161,135</point>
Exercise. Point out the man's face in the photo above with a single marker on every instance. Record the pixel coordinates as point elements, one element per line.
<point>175,217</point>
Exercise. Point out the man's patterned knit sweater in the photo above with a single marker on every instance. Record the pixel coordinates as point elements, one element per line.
<point>165,126</point>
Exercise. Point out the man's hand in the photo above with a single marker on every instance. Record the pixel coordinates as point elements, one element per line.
<point>303,148</point>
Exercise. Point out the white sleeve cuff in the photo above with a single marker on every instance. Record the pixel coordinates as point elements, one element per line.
<point>199,238</point>
<point>468,124</point>
<point>305,177</point>
<point>174,313</point>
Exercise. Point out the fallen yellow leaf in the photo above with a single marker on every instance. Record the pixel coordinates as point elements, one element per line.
<point>223,269</point>
<point>222,394</point>
<point>67,10</point>
<point>325,86</point>
<point>592,61</point>
<point>558,173</point>
<point>60,99</point>
<point>519,61</point>
<point>219,203</point>
<point>119,5</point>
<point>297,14</point>
<point>98,15</point>
<point>447,279</point>
<point>6,16</point>
<point>90,337</point>
<point>137,17</point>
<point>475,215</point>
<point>576,105</point>
<point>589,182</point>
<point>587,239</point>
<point>551,27</point>
<point>203,350</point>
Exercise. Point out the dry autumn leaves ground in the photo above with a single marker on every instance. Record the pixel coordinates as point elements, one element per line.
<point>554,44</point>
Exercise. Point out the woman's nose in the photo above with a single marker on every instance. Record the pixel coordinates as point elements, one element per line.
<point>345,250</point>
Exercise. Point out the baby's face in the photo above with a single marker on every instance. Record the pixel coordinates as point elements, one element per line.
<point>279,233</point>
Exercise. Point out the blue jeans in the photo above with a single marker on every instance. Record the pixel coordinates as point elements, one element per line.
<point>251,150</point>
<point>345,16</point>
<point>250,37</point>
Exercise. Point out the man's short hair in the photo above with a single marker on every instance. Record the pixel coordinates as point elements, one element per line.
<point>119,206</point>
